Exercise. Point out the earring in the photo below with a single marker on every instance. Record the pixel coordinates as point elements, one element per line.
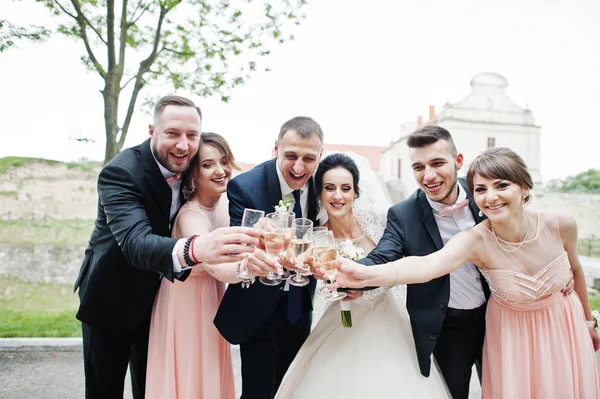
<point>480,214</point>
<point>319,203</point>
<point>189,189</point>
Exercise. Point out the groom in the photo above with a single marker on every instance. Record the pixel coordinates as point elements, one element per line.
<point>271,322</point>
<point>448,313</point>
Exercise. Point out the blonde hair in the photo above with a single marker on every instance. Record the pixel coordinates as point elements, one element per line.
<point>501,163</point>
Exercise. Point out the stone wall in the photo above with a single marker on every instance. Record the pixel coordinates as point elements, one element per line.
<point>41,263</point>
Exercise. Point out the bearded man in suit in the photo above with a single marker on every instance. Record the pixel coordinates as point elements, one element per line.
<point>131,248</point>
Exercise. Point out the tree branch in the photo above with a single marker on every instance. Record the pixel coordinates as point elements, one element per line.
<point>81,22</point>
<point>110,34</point>
<point>123,36</point>
<point>134,19</point>
<point>87,21</point>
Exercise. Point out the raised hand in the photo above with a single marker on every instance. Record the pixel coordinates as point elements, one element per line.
<point>225,245</point>
<point>352,275</point>
<point>260,263</point>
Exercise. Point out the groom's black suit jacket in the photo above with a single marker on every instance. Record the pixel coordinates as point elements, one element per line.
<point>130,243</point>
<point>243,311</point>
<point>412,231</point>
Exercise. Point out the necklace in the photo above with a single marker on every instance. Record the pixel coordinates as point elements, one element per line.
<point>520,244</point>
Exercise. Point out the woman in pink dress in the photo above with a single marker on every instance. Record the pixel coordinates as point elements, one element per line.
<point>187,357</point>
<point>539,342</point>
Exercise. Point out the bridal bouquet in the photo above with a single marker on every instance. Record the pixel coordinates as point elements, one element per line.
<point>349,249</point>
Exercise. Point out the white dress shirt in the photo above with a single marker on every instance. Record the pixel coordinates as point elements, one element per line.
<point>175,204</point>
<point>465,282</point>
<point>287,193</point>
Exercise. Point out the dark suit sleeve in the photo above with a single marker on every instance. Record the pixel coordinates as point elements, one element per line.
<point>123,202</point>
<point>238,201</point>
<point>391,245</point>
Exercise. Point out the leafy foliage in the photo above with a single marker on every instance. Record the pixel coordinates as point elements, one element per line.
<point>10,33</point>
<point>587,182</point>
<point>206,46</point>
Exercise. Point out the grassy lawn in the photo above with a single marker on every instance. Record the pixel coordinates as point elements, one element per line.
<point>52,232</point>
<point>11,162</point>
<point>37,310</point>
<point>589,247</point>
<point>48,310</point>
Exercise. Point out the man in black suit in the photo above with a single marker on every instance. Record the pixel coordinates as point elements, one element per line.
<point>448,313</point>
<point>130,248</point>
<point>271,322</point>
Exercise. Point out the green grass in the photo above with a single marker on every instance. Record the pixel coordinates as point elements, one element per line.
<point>49,231</point>
<point>14,162</point>
<point>594,301</point>
<point>9,193</point>
<point>589,247</point>
<point>37,309</point>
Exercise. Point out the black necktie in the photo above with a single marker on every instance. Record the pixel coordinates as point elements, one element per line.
<point>294,307</point>
<point>297,206</point>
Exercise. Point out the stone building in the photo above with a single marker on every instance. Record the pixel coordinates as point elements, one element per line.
<point>487,117</point>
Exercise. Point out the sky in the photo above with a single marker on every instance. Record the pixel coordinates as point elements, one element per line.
<point>358,68</point>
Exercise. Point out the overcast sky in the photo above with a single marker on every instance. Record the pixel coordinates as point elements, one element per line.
<point>359,68</point>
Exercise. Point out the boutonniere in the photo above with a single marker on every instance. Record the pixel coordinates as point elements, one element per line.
<point>284,206</point>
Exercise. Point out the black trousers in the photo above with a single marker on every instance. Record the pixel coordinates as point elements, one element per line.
<point>106,356</point>
<point>268,354</point>
<point>459,346</point>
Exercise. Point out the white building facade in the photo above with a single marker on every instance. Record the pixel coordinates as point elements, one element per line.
<point>487,117</point>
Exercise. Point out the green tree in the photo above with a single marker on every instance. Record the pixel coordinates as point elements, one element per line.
<point>193,45</point>
<point>587,182</point>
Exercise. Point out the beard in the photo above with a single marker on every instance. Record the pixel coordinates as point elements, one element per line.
<point>163,159</point>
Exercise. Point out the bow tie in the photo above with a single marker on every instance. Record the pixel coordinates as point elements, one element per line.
<point>446,210</point>
<point>173,178</point>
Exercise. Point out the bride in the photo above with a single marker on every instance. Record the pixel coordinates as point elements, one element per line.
<point>376,357</point>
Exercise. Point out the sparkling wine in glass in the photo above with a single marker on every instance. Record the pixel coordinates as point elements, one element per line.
<point>274,244</point>
<point>301,243</point>
<point>249,219</point>
<point>328,259</point>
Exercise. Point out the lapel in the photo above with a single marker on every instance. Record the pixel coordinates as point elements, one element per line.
<point>158,185</point>
<point>273,185</point>
<point>429,220</point>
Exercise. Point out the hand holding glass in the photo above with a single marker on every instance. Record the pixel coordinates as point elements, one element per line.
<point>249,219</point>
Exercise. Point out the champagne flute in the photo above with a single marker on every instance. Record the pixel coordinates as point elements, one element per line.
<point>283,221</point>
<point>327,256</point>
<point>301,243</point>
<point>249,219</point>
<point>321,242</point>
<point>274,244</point>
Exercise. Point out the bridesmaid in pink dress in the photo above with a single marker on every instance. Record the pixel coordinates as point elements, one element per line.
<point>539,342</point>
<point>187,357</point>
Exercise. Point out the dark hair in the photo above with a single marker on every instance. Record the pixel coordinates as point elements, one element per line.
<point>500,163</point>
<point>336,161</point>
<point>218,141</point>
<point>172,100</point>
<point>304,126</point>
<point>428,135</point>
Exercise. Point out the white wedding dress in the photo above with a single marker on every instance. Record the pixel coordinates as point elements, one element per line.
<point>376,358</point>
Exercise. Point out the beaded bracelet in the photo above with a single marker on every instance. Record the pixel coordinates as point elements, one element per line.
<point>186,251</point>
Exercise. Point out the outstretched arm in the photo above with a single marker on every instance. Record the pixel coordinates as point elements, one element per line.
<point>568,235</point>
<point>466,246</point>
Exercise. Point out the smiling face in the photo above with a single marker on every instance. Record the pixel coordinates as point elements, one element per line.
<point>175,137</point>
<point>435,170</point>
<point>214,171</point>
<point>298,157</point>
<point>338,192</point>
<point>498,199</point>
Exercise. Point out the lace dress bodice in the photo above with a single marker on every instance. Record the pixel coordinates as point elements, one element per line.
<point>538,269</point>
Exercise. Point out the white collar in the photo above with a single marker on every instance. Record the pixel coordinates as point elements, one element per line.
<point>285,189</point>
<point>436,206</point>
